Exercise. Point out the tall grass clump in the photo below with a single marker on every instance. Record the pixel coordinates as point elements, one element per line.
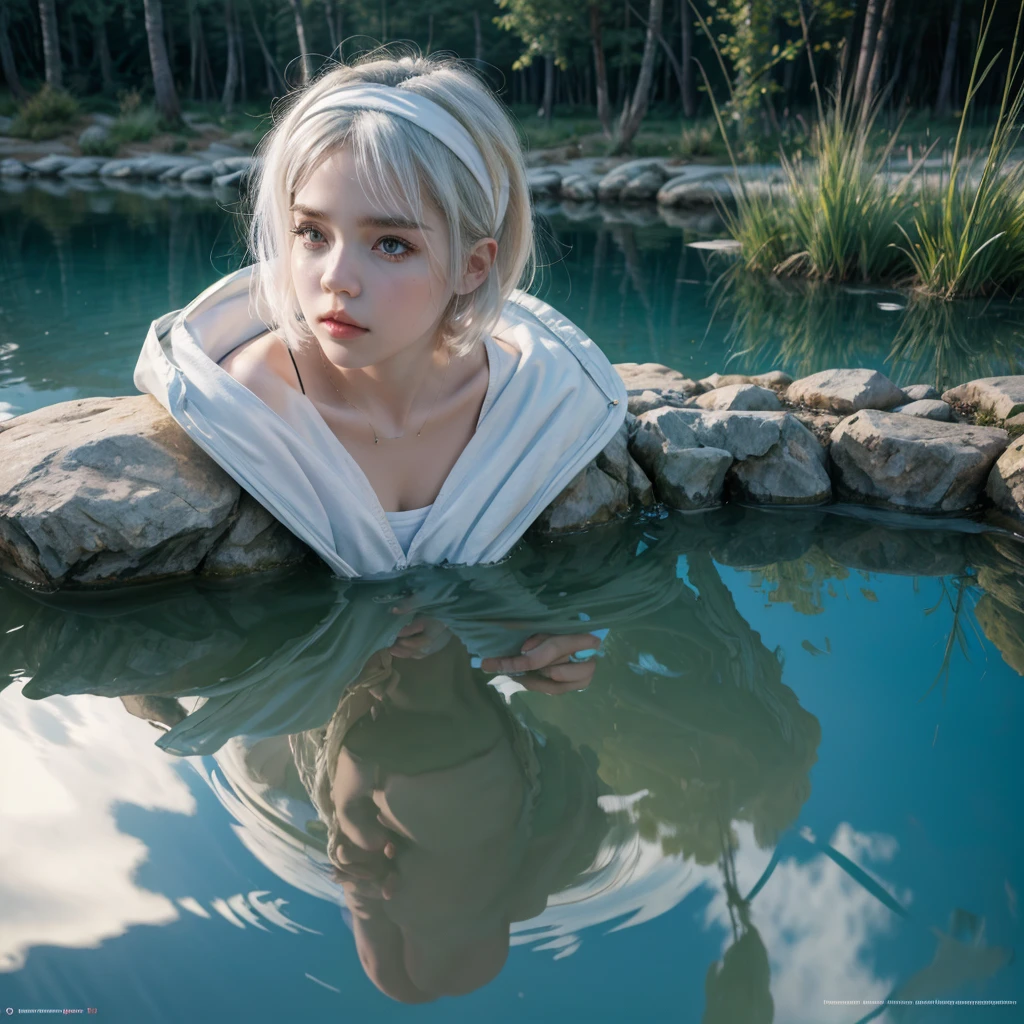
<point>47,114</point>
<point>844,213</point>
<point>970,234</point>
<point>135,122</point>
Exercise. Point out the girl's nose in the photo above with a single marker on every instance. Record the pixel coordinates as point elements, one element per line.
<point>340,273</point>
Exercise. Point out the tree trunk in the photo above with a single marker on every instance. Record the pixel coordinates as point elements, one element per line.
<point>548,100</point>
<point>268,59</point>
<point>240,50</point>
<point>73,41</point>
<point>7,58</point>
<point>943,103</point>
<point>604,113</point>
<point>331,30</point>
<point>881,41</point>
<point>163,81</point>
<point>231,75</point>
<point>867,38</point>
<point>478,40</point>
<point>51,43</point>
<point>915,64</point>
<point>689,93</point>
<point>102,48</point>
<point>633,115</point>
<point>300,34</point>
<point>193,49</point>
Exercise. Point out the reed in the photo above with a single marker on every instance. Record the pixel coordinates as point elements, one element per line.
<point>841,217</point>
<point>968,237</point>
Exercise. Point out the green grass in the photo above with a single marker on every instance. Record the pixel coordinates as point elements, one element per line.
<point>841,218</point>
<point>968,237</point>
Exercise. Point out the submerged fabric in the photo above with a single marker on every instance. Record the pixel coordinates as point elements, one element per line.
<point>546,415</point>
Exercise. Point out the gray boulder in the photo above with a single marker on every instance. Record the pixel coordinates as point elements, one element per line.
<point>791,472</point>
<point>920,392</point>
<point>642,187</point>
<point>689,194</point>
<point>175,172</point>
<point>234,179</point>
<point>912,463</point>
<point>11,168</point>
<point>644,401</point>
<point>684,474</point>
<point>998,398</point>
<point>845,391</point>
<point>928,408</point>
<point>617,463</point>
<point>778,460</point>
<point>643,172</point>
<point>744,397</point>
<point>579,188</point>
<point>93,135</point>
<point>820,424</point>
<point>111,489</point>
<point>50,165</point>
<point>230,164</point>
<point>254,542</point>
<point>774,379</point>
<point>198,174</point>
<point>544,181</point>
<point>1005,485</point>
<point>639,377</point>
<point>592,497</point>
<point>114,168</point>
<point>83,167</point>
<point>155,164</point>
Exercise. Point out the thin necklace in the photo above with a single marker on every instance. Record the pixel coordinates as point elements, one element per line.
<point>398,437</point>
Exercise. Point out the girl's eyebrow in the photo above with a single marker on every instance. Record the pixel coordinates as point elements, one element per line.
<point>402,223</point>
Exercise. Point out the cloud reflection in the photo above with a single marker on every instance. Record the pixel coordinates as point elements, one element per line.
<point>67,873</point>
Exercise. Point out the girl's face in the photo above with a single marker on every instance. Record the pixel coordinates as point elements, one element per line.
<point>353,259</point>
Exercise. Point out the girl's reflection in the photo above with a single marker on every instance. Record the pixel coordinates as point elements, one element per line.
<point>429,790</point>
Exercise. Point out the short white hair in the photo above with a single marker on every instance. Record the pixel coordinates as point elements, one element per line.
<point>403,165</point>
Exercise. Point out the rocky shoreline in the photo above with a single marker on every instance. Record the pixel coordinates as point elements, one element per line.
<point>652,180</point>
<point>111,490</point>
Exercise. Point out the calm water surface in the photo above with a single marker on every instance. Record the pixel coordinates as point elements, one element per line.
<point>793,779</point>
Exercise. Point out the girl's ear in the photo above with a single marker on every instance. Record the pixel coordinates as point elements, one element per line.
<point>478,266</point>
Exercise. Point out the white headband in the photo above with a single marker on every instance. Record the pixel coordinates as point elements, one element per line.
<point>431,117</point>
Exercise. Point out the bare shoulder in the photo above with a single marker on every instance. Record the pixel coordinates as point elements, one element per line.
<point>262,365</point>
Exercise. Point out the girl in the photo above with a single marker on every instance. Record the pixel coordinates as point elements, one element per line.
<point>374,378</point>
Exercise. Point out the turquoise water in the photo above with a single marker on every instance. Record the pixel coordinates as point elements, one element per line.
<point>792,779</point>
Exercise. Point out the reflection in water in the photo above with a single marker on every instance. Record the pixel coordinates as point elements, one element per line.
<point>453,814</point>
<point>806,326</point>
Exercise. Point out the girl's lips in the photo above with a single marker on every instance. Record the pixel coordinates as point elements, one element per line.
<point>342,331</point>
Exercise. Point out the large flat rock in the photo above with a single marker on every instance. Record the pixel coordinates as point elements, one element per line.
<point>911,463</point>
<point>845,391</point>
<point>111,489</point>
<point>999,398</point>
<point>640,377</point>
<point>740,397</point>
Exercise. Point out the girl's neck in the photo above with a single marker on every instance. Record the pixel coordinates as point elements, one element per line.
<point>394,390</point>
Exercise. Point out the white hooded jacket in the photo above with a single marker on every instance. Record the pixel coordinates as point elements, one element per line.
<point>544,418</point>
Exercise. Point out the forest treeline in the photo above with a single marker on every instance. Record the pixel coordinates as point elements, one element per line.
<point>615,58</point>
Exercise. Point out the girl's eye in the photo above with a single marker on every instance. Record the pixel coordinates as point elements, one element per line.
<point>308,231</point>
<point>394,248</point>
